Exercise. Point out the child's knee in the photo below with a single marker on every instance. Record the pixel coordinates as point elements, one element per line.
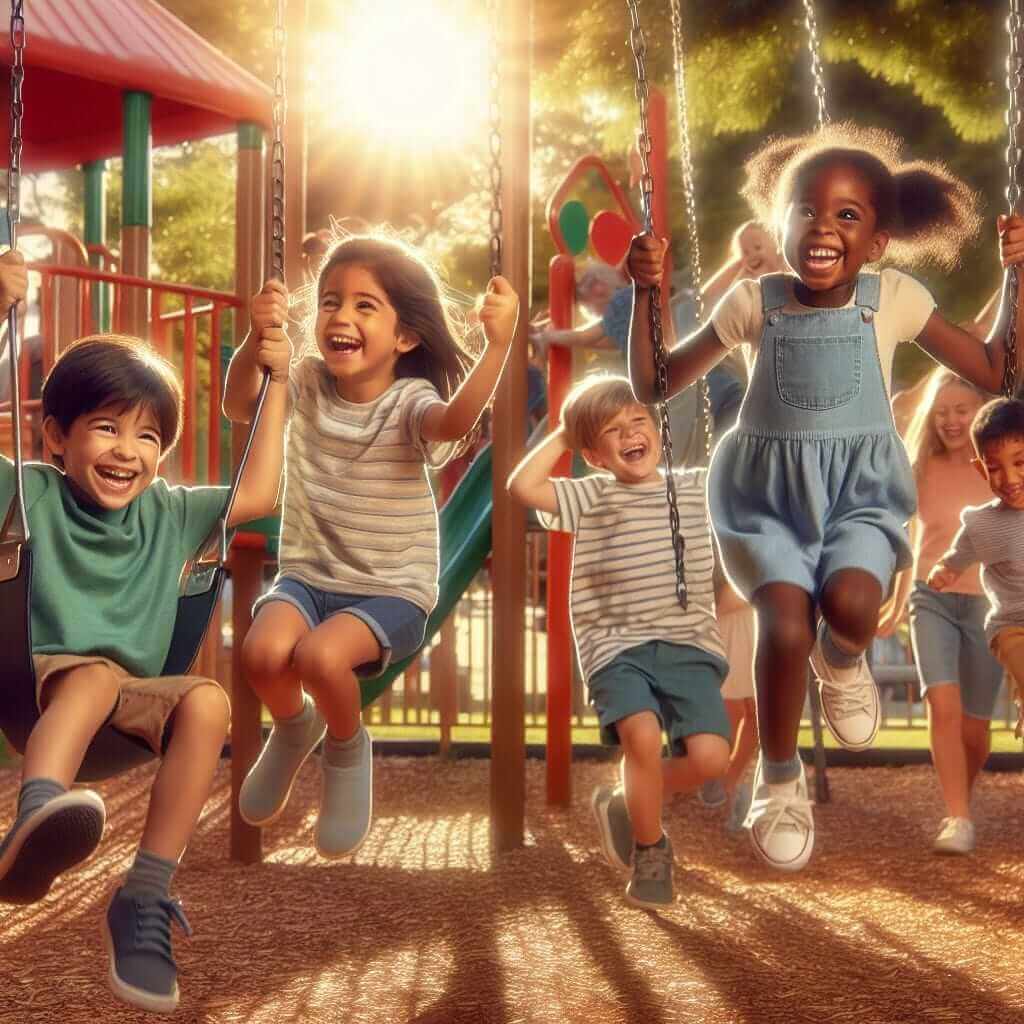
<point>95,685</point>
<point>205,709</point>
<point>640,736</point>
<point>708,755</point>
<point>850,602</point>
<point>788,636</point>
<point>320,665</point>
<point>265,653</point>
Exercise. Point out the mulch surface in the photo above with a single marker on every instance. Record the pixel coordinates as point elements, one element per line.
<point>424,924</point>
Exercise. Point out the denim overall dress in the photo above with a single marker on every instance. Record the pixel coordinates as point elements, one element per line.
<point>814,477</point>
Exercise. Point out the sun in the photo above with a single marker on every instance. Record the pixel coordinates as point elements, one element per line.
<point>408,76</point>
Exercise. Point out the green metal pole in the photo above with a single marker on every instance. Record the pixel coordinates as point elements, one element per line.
<point>137,208</point>
<point>96,234</point>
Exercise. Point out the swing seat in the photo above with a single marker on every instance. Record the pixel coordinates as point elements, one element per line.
<point>111,752</point>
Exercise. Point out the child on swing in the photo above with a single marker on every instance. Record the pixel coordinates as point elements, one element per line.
<point>810,493</point>
<point>110,539</point>
<point>650,664</point>
<point>384,390</point>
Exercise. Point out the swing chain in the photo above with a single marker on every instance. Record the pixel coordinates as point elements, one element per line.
<point>17,113</point>
<point>816,72</point>
<point>1014,154</point>
<point>277,151</point>
<point>690,191</point>
<point>638,44</point>
<point>494,139</point>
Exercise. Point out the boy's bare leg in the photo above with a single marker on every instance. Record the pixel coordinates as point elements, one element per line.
<point>743,716</point>
<point>707,757</point>
<point>640,736</point>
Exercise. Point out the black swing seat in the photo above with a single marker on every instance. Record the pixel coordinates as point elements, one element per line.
<point>111,751</point>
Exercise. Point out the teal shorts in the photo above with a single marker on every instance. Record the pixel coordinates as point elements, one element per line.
<point>679,683</point>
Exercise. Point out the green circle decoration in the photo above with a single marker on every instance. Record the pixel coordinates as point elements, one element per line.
<point>574,221</point>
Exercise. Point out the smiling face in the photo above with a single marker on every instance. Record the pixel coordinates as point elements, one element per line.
<point>830,232</point>
<point>358,333</point>
<point>110,454</point>
<point>953,411</point>
<point>756,248</point>
<point>628,446</point>
<point>1002,463</point>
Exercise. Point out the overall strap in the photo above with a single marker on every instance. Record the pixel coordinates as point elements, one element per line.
<point>774,291</point>
<point>869,290</point>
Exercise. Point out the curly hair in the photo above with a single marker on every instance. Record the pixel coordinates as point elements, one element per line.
<point>928,212</point>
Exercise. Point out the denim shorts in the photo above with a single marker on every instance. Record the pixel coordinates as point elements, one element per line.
<point>398,625</point>
<point>681,684</point>
<point>948,634</point>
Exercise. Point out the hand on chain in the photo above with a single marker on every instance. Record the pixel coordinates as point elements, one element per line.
<point>499,310</point>
<point>646,260</point>
<point>1011,239</point>
<point>269,307</point>
<point>274,352</point>
<point>13,280</point>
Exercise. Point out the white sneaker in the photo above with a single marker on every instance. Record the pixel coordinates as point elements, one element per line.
<point>849,699</point>
<point>956,835</point>
<point>780,822</point>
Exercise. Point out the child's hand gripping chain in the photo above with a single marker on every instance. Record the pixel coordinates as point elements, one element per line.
<point>269,316</point>
<point>13,280</point>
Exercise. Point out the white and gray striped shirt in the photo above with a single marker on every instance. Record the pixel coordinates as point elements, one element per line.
<point>623,590</point>
<point>993,534</point>
<point>359,515</point>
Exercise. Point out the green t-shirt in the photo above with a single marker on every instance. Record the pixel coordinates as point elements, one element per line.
<point>106,582</point>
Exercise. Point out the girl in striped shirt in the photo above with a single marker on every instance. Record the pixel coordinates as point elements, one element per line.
<point>383,390</point>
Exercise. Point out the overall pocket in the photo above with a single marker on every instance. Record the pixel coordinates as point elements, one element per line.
<point>818,373</point>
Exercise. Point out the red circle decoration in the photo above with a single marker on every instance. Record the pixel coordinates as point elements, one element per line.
<point>610,235</point>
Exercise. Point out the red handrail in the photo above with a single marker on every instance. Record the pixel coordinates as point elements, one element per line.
<point>129,280</point>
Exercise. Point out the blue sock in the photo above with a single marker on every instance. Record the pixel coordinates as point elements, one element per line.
<point>778,772</point>
<point>834,654</point>
<point>150,874</point>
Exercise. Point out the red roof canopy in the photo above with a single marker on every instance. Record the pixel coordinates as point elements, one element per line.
<point>81,55</point>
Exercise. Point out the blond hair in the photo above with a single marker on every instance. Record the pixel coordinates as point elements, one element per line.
<point>592,403</point>
<point>922,438</point>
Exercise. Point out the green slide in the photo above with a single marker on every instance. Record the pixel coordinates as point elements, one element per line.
<point>465,544</point>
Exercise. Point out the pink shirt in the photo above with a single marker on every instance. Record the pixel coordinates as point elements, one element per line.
<point>944,490</point>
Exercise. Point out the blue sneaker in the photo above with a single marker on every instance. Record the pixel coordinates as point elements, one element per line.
<point>137,929</point>
<point>54,837</point>
<point>651,885</point>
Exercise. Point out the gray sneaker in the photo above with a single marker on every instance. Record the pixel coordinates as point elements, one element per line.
<point>137,930</point>
<point>54,837</point>
<point>712,793</point>
<point>346,803</point>
<point>956,835</point>
<point>614,827</point>
<point>265,791</point>
<point>651,884</point>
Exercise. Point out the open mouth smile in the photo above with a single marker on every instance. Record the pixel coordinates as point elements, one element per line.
<point>821,257</point>
<point>116,479</point>
<point>344,344</point>
<point>634,453</point>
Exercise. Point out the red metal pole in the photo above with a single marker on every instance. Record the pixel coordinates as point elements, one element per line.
<point>657,113</point>
<point>561,297</point>
<point>213,423</point>
<point>188,433</point>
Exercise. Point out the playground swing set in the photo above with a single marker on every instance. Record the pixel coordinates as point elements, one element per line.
<point>472,521</point>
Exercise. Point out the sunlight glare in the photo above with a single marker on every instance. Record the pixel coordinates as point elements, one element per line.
<point>409,75</point>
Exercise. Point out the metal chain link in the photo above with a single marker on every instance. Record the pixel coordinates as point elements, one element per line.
<point>277,150</point>
<point>816,73</point>
<point>494,137</point>
<point>17,114</point>
<point>639,47</point>
<point>1014,154</point>
<point>690,190</point>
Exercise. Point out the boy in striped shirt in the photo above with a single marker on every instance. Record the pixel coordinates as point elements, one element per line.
<point>993,534</point>
<point>650,665</point>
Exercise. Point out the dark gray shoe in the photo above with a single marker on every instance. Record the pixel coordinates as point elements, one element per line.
<point>54,837</point>
<point>651,884</point>
<point>137,929</point>
<point>614,827</point>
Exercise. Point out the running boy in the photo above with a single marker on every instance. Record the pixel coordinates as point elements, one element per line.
<point>650,665</point>
<point>110,538</point>
<point>993,534</point>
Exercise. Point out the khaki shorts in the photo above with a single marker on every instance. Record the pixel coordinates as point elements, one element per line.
<point>1008,647</point>
<point>143,705</point>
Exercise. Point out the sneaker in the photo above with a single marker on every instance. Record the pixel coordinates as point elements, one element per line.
<point>739,808</point>
<point>137,930</point>
<point>609,806</point>
<point>712,793</point>
<point>61,833</point>
<point>651,884</point>
<point>956,835</point>
<point>267,787</point>
<point>346,804</point>
<point>849,699</point>
<point>780,822</point>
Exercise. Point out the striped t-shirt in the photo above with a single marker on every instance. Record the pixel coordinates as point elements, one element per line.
<point>623,590</point>
<point>993,534</point>
<point>359,516</point>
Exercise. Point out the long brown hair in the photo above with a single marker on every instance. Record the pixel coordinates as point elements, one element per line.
<point>922,438</point>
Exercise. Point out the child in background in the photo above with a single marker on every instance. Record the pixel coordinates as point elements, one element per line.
<point>960,679</point>
<point>810,492</point>
<point>110,539</point>
<point>383,390</point>
<point>993,534</point>
<point>650,665</point>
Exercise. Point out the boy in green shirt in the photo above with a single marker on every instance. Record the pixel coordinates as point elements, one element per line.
<point>109,540</point>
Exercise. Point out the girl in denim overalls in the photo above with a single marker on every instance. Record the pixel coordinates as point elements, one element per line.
<point>809,493</point>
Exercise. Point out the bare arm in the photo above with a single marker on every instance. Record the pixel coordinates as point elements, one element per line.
<point>590,336</point>
<point>454,419</point>
<point>530,482</point>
